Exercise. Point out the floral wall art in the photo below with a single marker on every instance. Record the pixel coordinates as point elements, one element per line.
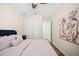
<point>69,27</point>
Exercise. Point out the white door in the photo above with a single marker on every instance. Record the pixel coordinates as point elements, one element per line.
<point>47,30</point>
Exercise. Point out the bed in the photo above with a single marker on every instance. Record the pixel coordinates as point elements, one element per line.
<point>30,47</point>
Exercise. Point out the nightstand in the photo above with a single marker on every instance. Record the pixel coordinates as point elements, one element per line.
<point>24,37</point>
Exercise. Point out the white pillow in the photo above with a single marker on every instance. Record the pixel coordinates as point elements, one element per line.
<point>4,39</point>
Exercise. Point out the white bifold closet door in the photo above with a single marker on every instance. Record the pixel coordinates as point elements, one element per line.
<point>33,27</point>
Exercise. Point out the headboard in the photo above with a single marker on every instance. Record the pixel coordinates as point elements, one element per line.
<point>7,32</point>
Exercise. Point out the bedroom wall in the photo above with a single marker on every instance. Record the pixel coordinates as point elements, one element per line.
<point>65,47</point>
<point>10,19</point>
<point>33,26</point>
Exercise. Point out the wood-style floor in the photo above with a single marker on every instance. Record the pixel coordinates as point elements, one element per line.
<point>57,50</point>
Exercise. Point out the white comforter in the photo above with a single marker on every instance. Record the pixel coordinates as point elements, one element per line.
<point>30,47</point>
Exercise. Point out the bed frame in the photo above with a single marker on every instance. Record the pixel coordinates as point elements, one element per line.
<point>7,32</point>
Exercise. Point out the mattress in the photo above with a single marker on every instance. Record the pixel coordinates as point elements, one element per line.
<point>30,47</point>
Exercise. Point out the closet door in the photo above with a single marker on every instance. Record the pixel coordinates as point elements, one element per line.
<point>47,30</point>
<point>34,27</point>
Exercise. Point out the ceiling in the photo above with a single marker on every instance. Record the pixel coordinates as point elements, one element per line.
<point>26,9</point>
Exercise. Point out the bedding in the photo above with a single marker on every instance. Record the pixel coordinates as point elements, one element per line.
<point>9,41</point>
<point>30,47</point>
<point>4,43</point>
<point>4,46</point>
<point>15,42</point>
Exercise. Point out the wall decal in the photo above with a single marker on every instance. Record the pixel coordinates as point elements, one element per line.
<point>69,27</point>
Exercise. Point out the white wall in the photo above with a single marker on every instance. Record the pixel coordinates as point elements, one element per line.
<point>10,19</point>
<point>66,47</point>
<point>33,26</point>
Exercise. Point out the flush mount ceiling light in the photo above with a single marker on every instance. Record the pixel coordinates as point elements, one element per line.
<point>34,5</point>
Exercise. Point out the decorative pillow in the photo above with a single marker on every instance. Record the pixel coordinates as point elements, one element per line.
<point>14,37</point>
<point>19,37</point>
<point>15,42</point>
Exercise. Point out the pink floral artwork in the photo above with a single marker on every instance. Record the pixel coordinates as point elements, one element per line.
<point>69,28</point>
